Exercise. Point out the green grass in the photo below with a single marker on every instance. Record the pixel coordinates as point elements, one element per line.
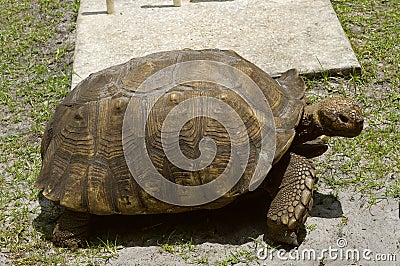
<point>370,163</point>
<point>184,248</point>
<point>36,75</point>
<point>238,256</point>
<point>34,78</point>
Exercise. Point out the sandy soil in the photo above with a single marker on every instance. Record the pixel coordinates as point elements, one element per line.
<point>341,231</point>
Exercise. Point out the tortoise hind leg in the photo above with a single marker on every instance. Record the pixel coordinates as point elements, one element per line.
<point>293,201</point>
<point>72,229</point>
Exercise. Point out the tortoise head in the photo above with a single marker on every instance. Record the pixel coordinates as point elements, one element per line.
<point>339,117</point>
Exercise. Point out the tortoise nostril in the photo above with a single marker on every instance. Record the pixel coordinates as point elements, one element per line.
<point>343,118</point>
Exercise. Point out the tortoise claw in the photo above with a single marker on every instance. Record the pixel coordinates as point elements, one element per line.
<point>281,234</point>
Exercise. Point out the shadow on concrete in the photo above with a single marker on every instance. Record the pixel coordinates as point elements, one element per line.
<point>93,13</point>
<point>192,1</point>
<point>157,6</point>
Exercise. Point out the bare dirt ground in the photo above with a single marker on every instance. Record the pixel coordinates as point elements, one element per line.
<point>341,231</point>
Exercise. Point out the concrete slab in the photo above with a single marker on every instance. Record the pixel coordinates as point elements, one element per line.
<point>275,35</point>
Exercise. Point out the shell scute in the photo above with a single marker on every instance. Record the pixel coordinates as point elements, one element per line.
<point>84,165</point>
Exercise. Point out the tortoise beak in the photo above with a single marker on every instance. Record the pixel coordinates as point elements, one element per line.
<point>341,117</point>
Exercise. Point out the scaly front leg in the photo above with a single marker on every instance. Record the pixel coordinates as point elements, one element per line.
<point>293,201</point>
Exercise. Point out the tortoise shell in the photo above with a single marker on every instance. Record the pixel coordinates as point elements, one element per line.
<point>84,147</point>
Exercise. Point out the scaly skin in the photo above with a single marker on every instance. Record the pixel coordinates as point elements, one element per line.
<point>331,117</point>
<point>293,200</point>
<point>292,178</point>
<point>72,229</point>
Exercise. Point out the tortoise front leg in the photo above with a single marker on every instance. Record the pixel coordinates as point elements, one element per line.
<point>72,229</point>
<point>293,200</point>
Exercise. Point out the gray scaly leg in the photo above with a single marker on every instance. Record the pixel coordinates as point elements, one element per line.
<point>293,201</point>
<point>72,229</point>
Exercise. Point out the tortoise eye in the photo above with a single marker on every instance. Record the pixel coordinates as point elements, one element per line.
<point>343,118</point>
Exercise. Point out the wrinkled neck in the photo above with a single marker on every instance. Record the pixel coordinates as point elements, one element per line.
<point>309,127</point>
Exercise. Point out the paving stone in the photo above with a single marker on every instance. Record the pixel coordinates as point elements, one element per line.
<point>275,35</point>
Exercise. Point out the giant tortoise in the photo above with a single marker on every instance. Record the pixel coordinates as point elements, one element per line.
<point>97,146</point>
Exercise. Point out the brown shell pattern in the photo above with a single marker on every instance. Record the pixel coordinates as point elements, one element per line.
<point>83,160</point>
